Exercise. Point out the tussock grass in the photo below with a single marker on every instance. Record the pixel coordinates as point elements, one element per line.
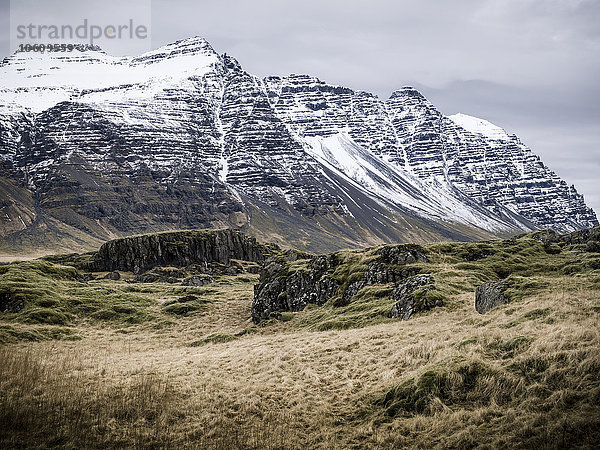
<point>525,375</point>
<point>214,338</point>
<point>46,395</point>
<point>11,333</point>
<point>48,401</point>
<point>44,293</point>
<point>452,378</point>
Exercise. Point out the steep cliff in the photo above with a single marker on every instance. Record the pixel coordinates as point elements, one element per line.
<point>138,254</point>
<point>182,137</point>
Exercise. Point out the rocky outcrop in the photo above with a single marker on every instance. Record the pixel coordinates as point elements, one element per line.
<point>197,280</point>
<point>490,295</point>
<point>282,287</point>
<point>407,300</point>
<point>587,240</point>
<point>292,280</point>
<point>138,254</point>
<point>400,255</point>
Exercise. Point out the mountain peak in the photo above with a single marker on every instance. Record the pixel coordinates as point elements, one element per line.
<point>407,91</point>
<point>479,126</point>
<point>196,45</point>
<point>193,41</point>
<point>197,141</point>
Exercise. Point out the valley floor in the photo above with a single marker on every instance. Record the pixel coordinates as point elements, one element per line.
<point>524,375</point>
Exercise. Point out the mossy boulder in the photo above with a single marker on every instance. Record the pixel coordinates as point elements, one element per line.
<point>414,295</point>
<point>490,295</point>
<point>197,280</point>
<point>292,280</point>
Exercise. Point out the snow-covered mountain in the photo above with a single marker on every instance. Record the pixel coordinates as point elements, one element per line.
<point>94,146</point>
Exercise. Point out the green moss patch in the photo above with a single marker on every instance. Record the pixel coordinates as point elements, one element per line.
<point>186,305</point>
<point>449,386</point>
<point>40,292</point>
<point>10,333</point>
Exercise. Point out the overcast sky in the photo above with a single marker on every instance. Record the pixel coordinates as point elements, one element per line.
<point>530,66</point>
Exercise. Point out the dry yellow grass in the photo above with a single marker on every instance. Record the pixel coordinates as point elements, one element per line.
<point>285,387</point>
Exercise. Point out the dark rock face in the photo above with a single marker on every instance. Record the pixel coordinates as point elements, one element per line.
<point>402,254</point>
<point>279,289</point>
<point>140,253</point>
<point>489,295</point>
<point>290,281</point>
<point>379,273</point>
<point>403,295</point>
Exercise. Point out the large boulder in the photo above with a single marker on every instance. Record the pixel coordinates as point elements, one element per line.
<point>490,295</point>
<point>113,276</point>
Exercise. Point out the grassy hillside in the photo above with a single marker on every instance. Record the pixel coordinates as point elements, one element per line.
<point>104,363</point>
